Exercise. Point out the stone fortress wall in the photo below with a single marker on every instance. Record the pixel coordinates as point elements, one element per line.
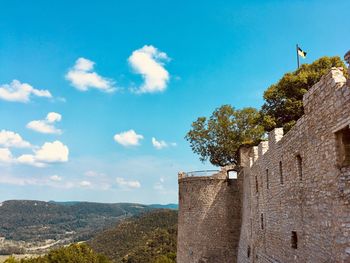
<point>290,202</point>
<point>209,218</point>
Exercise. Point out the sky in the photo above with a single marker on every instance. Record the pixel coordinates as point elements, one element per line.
<point>97,96</point>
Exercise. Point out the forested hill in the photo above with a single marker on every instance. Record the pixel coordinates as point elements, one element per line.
<point>147,238</point>
<point>36,220</point>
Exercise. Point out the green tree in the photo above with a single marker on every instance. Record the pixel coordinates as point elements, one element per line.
<point>11,259</point>
<point>284,100</point>
<point>165,259</point>
<point>219,137</point>
<point>75,253</point>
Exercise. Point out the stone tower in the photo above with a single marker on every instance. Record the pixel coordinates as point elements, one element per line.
<point>209,218</point>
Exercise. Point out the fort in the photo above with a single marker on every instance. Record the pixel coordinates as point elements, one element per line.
<point>290,200</point>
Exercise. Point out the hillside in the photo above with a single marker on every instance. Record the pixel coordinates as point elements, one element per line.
<point>168,206</point>
<point>149,237</point>
<point>37,221</point>
<point>72,253</point>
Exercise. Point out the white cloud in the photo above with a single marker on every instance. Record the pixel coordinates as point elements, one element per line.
<point>161,144</point>
<point>82,77</point>
<point>93,174</point>
<point>50,152</point>
<point>47,125</point>
<point>149,62</point>
<point>52,181</point>
<point>29,159</point>
<point>128,138</point>
<point>12,139</point>
<point>159,186</point>
<point>129,184</point>
<point>55,178</point>
<point>85,184</point>
<point>53,117</point>
<point>5,155</point>
<point>21,92</point>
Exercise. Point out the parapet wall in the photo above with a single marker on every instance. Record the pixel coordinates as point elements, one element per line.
<point>291,200</point>
<point>296,188</point>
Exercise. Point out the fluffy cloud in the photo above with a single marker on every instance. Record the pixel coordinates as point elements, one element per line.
<point>161,144</point>
<point>55,178</point>
<point>85,184</point>
<point>50,152</point>
<point>149,62</point>
<point>21,92</point>
<point>128,184</point>
<point>11,139</point>
<point>29,159</point>
<point>128,138</point>
<point>82,77</point>
<point>47,125</point>
<point>53,117</point>
<point>5,155</point>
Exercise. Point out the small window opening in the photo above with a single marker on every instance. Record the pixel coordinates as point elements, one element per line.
<point>232,174</point>
<point>281,172</point>
<point>256,184</point>
<point>251,228</point>
<point>294,240</point>
<point>300,167</point>
<point>248,252</point>
<point>267,179</point>
<point>262,221</point>
<point>343,141</point>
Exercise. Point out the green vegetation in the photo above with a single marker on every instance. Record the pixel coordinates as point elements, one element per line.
<point>284,100</point>
<point>76,253</point>
<point>37,221</point>
<point>147,238</point>
<point>219,138</point>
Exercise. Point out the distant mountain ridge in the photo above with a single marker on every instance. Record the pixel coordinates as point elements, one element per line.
<point>30,220</point>
<point>167,206</point>
<point>157,206</point>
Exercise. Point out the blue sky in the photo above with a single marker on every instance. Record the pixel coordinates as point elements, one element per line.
<point>86,85</point>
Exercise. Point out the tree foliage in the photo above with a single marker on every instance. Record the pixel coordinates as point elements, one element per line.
<point>284,100</point>
<point>75,253</point>
<point>147,238</point>
<point>218,138</point>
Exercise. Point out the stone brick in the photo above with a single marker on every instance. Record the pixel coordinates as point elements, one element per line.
<point>290,202</point>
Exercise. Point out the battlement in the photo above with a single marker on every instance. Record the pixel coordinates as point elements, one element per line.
<point>296,186</point>
<point>330,88</point>
<point>291,200</point>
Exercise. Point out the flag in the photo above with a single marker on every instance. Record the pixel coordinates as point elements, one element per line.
<point>301,53</point>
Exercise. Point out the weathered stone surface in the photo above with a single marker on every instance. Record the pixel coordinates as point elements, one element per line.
<point>209,219</point>
<point>313,201</point>
<point>290,202</point>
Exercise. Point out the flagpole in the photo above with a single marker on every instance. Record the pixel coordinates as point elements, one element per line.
<point>298,56</point>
